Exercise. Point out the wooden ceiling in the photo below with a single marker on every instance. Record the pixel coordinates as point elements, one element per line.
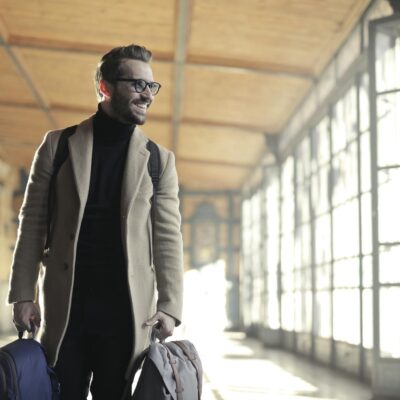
<point>231,70</point>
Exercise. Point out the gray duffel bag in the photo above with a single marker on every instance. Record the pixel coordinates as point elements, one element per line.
<point>170,371</point>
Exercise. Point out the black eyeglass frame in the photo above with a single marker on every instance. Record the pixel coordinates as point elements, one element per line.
<point>134,81</point>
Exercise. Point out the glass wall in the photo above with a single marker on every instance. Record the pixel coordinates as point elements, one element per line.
<point>287,242</point>
<point>272,222</point>
<point>320,253</point>
<point>321,217</point>
<point>387,67</point>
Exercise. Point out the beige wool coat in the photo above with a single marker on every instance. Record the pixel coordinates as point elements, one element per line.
<point>154,270</point>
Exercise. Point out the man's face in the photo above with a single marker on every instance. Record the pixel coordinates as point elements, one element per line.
<point>126,104</point>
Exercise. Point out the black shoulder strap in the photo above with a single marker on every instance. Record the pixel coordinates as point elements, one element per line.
<point>154,166</point>
<point>59,158</point>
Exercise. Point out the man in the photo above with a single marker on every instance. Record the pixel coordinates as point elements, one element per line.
<point>99,280</point>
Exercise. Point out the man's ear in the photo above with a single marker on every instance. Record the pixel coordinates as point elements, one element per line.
<point>105,88</point>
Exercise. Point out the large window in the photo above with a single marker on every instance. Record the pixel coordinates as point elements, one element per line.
<point>332,237</point>
<point>302,240</point>
<point>287,246</point>
<point>387,68</point>
<point>320,201</point>
<point>272,249</point>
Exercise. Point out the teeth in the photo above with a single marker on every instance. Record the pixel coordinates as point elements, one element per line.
<point>141,105</point>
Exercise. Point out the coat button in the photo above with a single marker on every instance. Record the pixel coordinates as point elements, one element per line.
<point>65,266</point>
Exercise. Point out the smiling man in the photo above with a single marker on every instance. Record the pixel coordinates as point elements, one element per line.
<point>111,272</point>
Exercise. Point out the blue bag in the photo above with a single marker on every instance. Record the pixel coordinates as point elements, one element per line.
<point>25,374</point>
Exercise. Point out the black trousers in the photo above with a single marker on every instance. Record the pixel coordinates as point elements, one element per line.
<point>103,359</point>
<point>97,346</point>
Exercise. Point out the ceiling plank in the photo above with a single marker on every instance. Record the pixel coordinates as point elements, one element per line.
<point>235,97</point>
<point>13,89</point>
<point>183,27</point>
<point>23,125</point>
<point>275,34</point>
<point>218,145</point>
<point>95,25</point>
<point>195,175</point>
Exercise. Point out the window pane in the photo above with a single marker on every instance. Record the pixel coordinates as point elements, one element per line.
<point>303,160</point>
<point>302,246</point>
<point>256,308</point>
<point>345,230</point>
<point>322,239</point>
<point>319,190</point>
<point>365,161</point>
<point>346,315</point>
<point>388,57</point>
<point>302,203</point>
<point>303,308</point>
<point>320,144</point>
<point>367,271</point>
<point>389,324</point>
<point>288,311</point>
<point>389,201</point>
<point>345,175</point>
<point>273,309</point>
<point>288,281</point>
<point>366,223</point>
<point>364,103</point>
<point>323,314</point>
<point>367,319</point>
<point>346,273</point>
<point>389,264</point>
<point>287,252</point>
<point>344,121</point>
<point>323,277</point>
<point>388,109</point>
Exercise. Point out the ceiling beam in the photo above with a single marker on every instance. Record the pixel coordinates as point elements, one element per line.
<point>74,47</point>
<point>184,11</point>
<point>216,163</point>
<point>254,67</point>
<point>25,76</point>
<point>221,124</point>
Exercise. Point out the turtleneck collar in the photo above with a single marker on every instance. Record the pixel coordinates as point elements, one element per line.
<point>108,128</point>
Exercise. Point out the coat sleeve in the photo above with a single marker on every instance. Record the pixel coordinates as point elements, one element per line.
<point>168,246</point>
<point>32,227</point>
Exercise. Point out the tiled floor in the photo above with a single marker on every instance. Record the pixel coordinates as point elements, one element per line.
<point>238,368</point>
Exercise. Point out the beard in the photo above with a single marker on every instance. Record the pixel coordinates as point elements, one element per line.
<point>121,107</point>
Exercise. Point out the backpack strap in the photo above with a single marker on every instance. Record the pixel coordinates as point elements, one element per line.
<point>154,167</point>
<point>178,381</point>
<point>61,155</point>
<point>193,358</point>
<point>59,158</point>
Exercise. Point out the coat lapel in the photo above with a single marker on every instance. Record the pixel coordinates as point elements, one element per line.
<point>80,150</point>
<point>135,166</point>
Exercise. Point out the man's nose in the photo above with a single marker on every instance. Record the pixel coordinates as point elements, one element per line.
<point>147,93</point>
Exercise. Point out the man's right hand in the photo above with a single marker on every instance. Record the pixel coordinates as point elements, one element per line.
<point>25,312</point>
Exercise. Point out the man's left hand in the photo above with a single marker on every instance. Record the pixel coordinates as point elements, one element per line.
<point>166,324</point>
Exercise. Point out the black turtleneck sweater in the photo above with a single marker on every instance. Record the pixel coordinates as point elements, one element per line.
<point>100,243</point>
<point>101,300</point>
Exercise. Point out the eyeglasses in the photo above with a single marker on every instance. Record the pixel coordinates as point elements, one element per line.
<point>140,85</point>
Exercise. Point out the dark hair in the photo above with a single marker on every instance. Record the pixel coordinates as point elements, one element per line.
<point>108,67</point>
